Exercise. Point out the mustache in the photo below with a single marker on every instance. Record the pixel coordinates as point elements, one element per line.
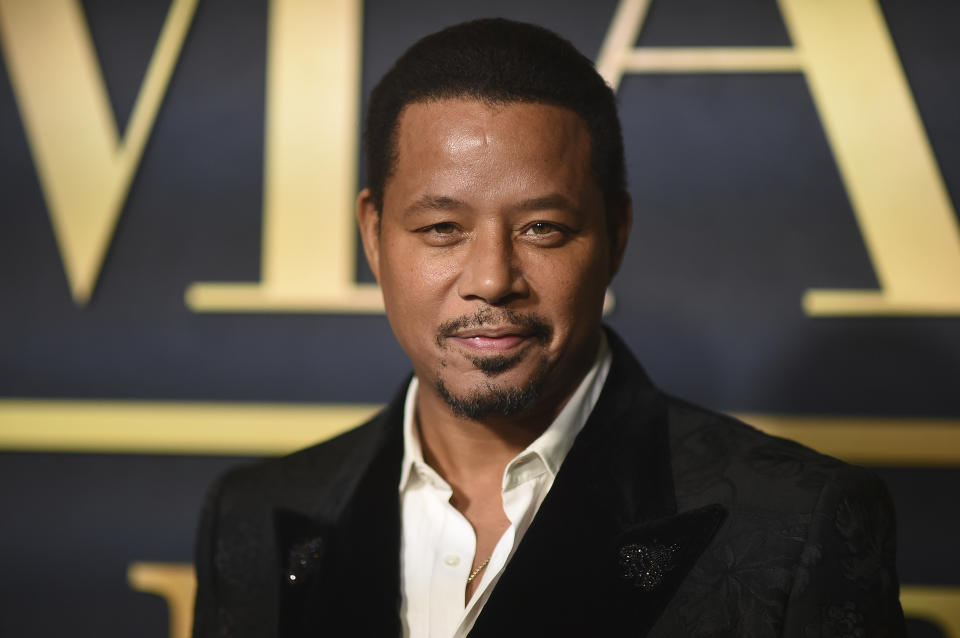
<point>537,327</point>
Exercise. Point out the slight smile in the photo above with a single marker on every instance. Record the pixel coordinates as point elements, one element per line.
<point>493,341</point>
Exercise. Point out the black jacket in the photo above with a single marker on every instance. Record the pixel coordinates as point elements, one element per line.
<point>664,520</point>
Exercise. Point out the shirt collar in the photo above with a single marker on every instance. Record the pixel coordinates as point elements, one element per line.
<point>551,446</point>
<point>412,452</point>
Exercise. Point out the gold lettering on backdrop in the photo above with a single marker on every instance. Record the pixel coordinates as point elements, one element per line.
<point>937,605</point>
<point>176,583</point>
<point>312,113</point>
<point>874,130</point>
<point>84,166</point>
<point>212,427</point>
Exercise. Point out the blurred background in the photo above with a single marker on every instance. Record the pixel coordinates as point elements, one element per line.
<point>181,290</point>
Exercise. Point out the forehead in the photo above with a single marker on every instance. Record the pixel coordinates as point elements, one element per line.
<point>546,120</point>
<point>474,145</point>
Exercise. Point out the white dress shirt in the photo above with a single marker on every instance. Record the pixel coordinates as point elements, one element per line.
<point>438,544</point>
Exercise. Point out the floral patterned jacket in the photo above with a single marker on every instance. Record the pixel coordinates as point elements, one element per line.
<point>665,520</point>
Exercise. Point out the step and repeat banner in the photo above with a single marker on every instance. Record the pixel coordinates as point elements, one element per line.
<point>181,287</point>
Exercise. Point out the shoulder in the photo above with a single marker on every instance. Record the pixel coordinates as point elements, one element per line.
<point>810,532</point>
<point>327,456</point>
<point>774,489</point>
<point>715,458</point>
<point>237,525</point>
<point>310,476</point>
<point>239,538</point>
<point>719,458</point>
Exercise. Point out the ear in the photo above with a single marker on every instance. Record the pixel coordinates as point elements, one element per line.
<point>620,223</point>
<point>368,219</point>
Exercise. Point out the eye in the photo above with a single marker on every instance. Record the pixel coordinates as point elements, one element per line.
<point>547,234</point>
<point>443,228</point>
<point>542,228</point>
<point>441,233</point>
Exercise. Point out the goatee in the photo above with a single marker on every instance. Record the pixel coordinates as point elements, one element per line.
<point>492,400</point>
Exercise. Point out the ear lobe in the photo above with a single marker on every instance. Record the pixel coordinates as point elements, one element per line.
<point>368,219</point>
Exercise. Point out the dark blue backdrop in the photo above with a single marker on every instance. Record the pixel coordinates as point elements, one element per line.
<point>739,209</point>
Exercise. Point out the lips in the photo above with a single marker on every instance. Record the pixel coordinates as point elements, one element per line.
<point>490,343</point>
<point>493,332</point>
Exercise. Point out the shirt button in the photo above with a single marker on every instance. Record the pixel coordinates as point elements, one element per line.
<point>452,560</point>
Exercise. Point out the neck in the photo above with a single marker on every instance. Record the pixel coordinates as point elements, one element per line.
<point>476,451</point>
<point>461,449</point>
<point>465,450</point>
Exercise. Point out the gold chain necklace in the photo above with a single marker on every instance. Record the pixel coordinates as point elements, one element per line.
<point>478,569</point>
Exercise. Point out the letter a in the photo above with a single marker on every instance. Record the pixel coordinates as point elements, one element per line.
<point>874,130</point>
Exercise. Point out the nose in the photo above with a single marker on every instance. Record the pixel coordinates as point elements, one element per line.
<point>491,272</point>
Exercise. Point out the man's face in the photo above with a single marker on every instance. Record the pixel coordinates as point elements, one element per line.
<point>493,252</point>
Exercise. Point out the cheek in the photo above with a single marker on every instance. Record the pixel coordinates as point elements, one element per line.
<point>415,284</point>
<point>437,273</point>
<point>570,289</point>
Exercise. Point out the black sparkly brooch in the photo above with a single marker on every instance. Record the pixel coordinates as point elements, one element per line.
<point>302,557</point>
<point>646,565</point>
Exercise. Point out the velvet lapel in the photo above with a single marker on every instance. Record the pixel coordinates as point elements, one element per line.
<point>609,518</point>
<point>348,583</point>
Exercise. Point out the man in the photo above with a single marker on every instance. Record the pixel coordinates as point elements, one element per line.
<point>529,480</point>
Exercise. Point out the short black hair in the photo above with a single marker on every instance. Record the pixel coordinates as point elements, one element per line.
<point>496,61</point>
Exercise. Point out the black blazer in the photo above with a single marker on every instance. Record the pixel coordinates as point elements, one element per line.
<point>664,520</point>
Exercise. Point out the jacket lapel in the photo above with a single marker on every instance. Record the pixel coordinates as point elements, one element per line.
<point>346,564</point>
<point>607,549</point>
<point>604,555</point>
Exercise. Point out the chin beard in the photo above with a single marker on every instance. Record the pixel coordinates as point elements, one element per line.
<point>492,366</point>
<point>491,399</point>
<point>494,399</point>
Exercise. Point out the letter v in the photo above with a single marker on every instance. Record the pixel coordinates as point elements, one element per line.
<point>85,168</point>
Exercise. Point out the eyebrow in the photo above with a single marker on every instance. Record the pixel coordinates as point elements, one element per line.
<point>553,201</point>
<point>434,202</point>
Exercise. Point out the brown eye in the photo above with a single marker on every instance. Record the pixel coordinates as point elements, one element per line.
<point>444,228</point>
<point>441,234</point>
<point>541,228</point>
